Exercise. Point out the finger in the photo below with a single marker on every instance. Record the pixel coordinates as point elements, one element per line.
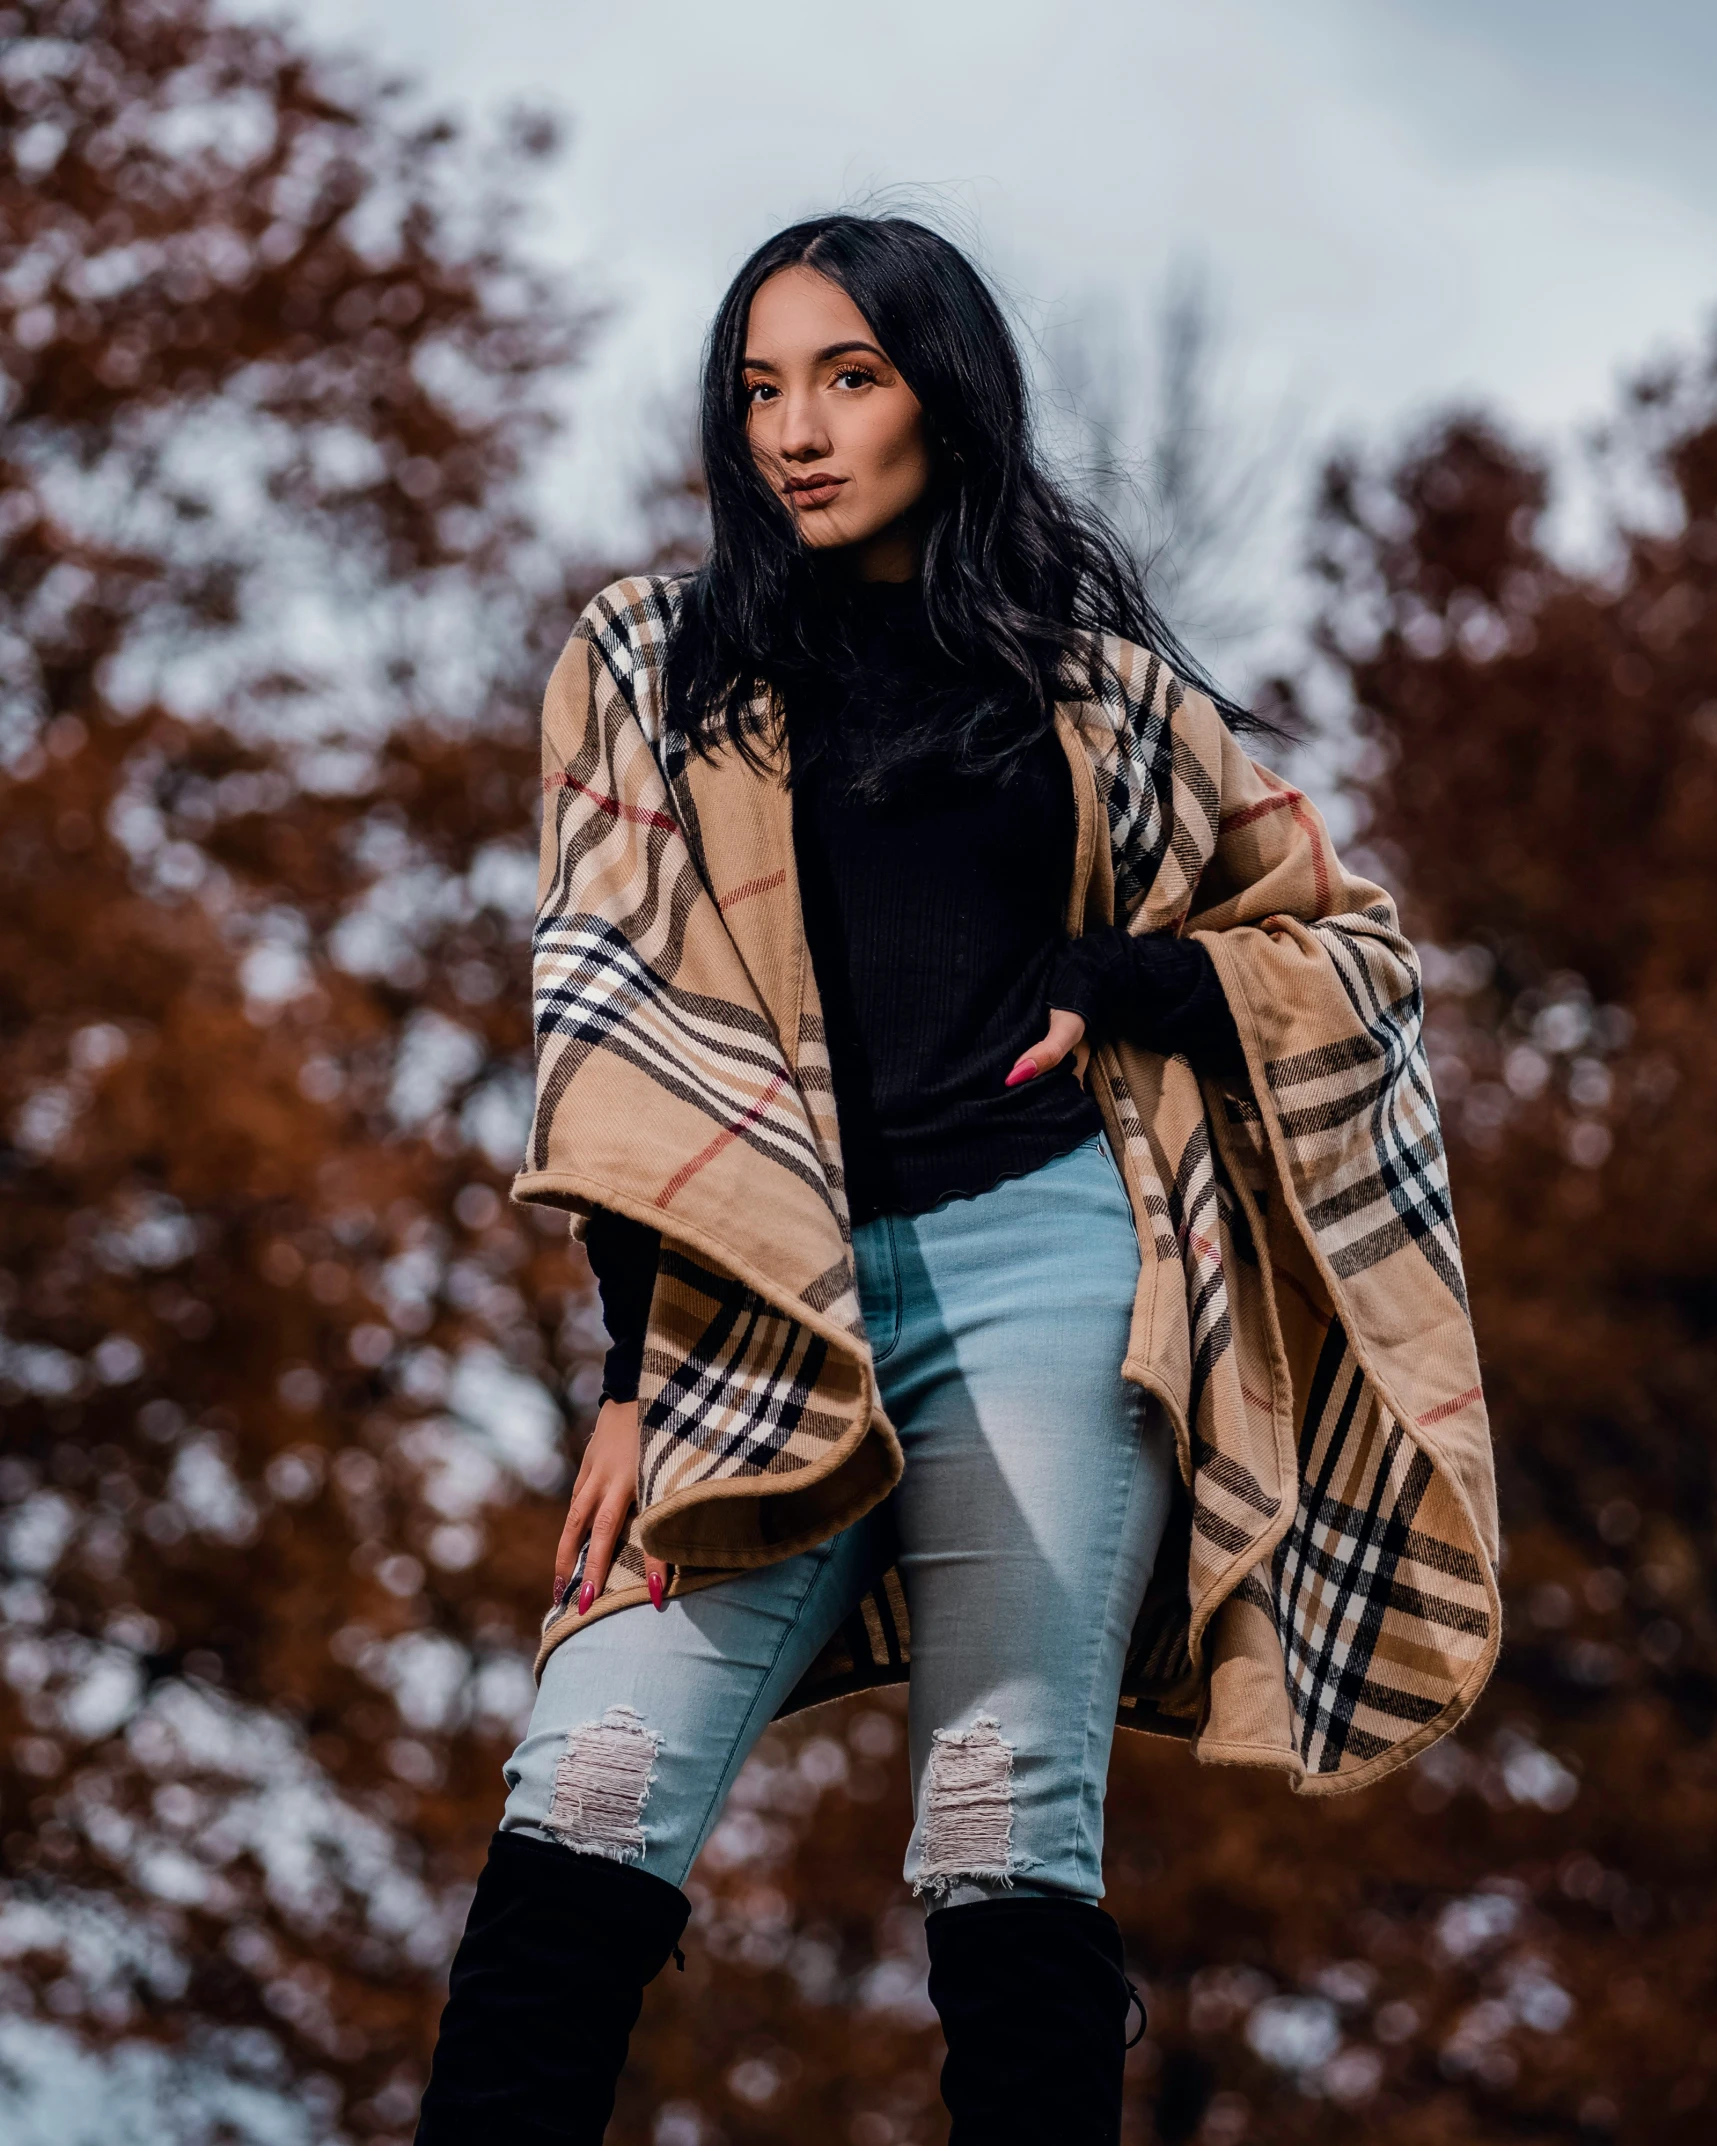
<point>1026,1064</point>
<point>1029,1064</point>
<point>571,1541</point>
<point>603,1536</point>
<point>1063,1035</point>
<point>656,1579</point>
<point>1066,1030</point>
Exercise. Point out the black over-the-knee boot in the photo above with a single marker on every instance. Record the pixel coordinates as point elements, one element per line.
<point>545,1989</point>
<point>1033,1998</point>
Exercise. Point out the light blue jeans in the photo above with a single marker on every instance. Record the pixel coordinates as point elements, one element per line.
<point>1036,1487</point>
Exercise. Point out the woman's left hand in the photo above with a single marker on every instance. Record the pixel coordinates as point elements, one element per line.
<point>1066,1033</point>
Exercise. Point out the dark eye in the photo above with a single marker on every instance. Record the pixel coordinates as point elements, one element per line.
<point>756,388</point>
<point>850,375</point>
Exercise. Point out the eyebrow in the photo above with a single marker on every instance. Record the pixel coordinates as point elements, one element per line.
<point>830,350</point>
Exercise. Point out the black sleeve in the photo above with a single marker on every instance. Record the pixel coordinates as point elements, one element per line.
<point>622,1257</point>
<point>1152,989</point>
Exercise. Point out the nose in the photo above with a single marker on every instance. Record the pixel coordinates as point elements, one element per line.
<point>803,436</point>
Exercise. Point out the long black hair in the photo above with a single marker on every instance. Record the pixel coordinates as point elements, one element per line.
<point>1019,578</point>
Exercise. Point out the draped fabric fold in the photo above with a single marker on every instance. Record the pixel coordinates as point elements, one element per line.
<point>1326,1602</point>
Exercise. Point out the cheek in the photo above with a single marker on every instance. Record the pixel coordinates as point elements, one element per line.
<point>898,453</point>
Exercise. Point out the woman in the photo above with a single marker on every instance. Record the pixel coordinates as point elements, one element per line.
<point>999,1131</point>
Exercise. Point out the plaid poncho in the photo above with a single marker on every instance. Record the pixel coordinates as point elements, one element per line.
<point>1326,1602</point>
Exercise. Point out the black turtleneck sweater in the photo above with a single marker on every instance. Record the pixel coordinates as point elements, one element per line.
<point>934,905</point>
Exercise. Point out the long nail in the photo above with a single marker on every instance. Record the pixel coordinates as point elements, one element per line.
<point>1025,1070</point>
<point>656,1590</point>
<point>586,1596</point>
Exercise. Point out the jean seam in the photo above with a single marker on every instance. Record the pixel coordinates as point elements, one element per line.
<point>763,1682</point>
<point>1117,1539</point>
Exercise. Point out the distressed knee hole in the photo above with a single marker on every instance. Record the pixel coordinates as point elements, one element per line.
<point>601,1784</point>
<point>968,1808</point>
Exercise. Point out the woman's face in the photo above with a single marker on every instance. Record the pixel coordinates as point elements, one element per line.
<point>835,429</point>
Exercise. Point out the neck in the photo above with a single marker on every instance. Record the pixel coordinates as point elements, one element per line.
<point>891,555</point>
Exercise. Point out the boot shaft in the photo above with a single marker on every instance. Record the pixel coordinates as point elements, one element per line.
<point>543,1995</point>
<point>1033,1997</point>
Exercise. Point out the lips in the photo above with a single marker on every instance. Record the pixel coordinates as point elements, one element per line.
<point>812,491</point>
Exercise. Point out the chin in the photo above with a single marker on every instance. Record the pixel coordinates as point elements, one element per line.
<point>821,534</point>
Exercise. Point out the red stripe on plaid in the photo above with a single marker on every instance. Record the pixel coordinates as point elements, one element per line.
<point>683,1176</point>
<point>747,888</point>
<point>1286,801</point>
<point>1320,863</point>
<point>1449,1408</point>
<point>612,805</point>
<point>1283,801</point>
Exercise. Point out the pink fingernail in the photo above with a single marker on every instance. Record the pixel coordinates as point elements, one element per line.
<point>1025,1070</point>
<point>586,1596</point>
<point>656,1590</point>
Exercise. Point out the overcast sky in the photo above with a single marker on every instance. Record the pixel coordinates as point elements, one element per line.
<point>1396,202</point>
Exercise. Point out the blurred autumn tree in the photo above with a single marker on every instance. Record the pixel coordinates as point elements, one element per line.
<point>284,1379</point>
<point>288,1387</point>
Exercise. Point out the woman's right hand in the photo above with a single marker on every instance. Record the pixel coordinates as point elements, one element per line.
<point>605,1492</point>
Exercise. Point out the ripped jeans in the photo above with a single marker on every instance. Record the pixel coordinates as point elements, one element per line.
<point>1036,1487</point>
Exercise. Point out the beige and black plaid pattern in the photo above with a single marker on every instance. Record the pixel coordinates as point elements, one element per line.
<point>1370,1586</point>
<point>1301,1308</point>
<point>731,1386</point>
<point>1366,1589</point>
<point>1359,1118</point>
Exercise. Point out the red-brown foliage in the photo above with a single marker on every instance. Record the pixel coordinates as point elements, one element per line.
<point>285,1380</point>
<point>288,1388</point>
